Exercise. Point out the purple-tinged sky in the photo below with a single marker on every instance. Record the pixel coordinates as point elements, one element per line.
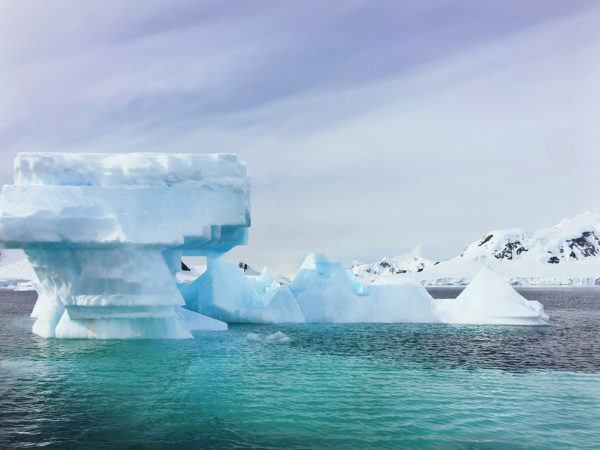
<point>368,126</point>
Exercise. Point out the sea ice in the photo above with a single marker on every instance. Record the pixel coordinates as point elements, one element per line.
<point>489,299</point>
<point>105,234</point>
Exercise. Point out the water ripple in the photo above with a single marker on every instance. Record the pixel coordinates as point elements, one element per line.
<point>332,386</point>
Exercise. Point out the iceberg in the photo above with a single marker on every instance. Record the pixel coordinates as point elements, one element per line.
<point>322,291</point>
<point>278,336</point>
<point>489,299</point>
<point>224,292</point>
<point>327,292</point>
<point>105,234</point>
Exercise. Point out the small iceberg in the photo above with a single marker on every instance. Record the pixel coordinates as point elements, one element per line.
<point>490,300</point>
<point>252,337</point>
<point>278,336</point>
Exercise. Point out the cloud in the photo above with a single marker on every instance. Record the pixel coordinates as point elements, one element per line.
<point>367,129</point>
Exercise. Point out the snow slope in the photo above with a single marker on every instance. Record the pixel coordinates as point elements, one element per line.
<point>567,254</point>
<point>406,263</point>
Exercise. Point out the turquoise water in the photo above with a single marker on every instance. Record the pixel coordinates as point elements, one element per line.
<point>342,386</point>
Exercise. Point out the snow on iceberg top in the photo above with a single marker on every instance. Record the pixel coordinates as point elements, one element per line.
<point>125,169</point>
<point>199,202</point>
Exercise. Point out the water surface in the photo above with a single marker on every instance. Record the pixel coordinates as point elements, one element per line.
<point>340,386</point>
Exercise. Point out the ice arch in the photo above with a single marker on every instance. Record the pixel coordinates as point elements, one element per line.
<point>105,234</point>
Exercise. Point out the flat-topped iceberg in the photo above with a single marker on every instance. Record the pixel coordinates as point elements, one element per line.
<point>105,234</point>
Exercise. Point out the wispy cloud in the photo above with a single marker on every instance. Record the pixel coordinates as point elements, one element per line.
<point>368,127</point>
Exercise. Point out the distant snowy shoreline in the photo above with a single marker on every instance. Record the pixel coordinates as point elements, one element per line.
<point>565,255</point>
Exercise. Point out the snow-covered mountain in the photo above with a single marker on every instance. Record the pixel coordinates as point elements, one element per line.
<point>15,271</point>
<point>565,254</point>
<point>573,239</point>
<point>406,263</point>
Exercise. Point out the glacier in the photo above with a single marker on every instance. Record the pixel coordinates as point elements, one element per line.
<point>105,233</point>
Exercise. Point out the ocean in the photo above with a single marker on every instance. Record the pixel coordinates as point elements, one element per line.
<point>332,386</point>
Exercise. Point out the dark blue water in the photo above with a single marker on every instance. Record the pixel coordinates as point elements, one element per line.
<point>340,386</point>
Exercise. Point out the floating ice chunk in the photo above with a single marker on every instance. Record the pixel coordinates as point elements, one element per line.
<point>278,336</point>
<point>489,299</point>
<point>252,337</point>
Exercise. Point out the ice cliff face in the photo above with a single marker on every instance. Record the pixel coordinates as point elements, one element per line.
<point>105,234</point>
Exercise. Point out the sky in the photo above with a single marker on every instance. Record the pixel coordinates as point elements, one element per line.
<point>368,127</point>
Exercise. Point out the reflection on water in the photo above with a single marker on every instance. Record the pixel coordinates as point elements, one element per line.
<point>334,385</point>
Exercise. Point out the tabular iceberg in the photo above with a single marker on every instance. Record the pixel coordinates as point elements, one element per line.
<point>105,234</point>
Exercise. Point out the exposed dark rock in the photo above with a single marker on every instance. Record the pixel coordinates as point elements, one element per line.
<point>554,260</point>
<point>585,244</point>
<point>184,267</point>
<point>485,239</point>
<point>510,250</point>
